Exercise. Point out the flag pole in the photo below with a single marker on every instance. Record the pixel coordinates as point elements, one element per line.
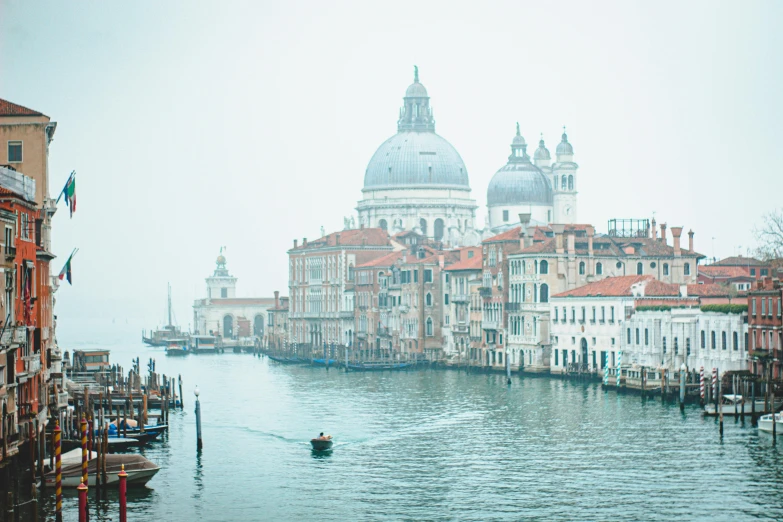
<point>64,187</point>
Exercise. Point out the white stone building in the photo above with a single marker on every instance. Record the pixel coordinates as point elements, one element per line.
<point>224,314</point>
<point>416,180</point>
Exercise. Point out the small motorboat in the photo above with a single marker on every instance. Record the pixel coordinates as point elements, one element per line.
<point>322,443</point>
<point>732,405</point>
<point>765,423</point>
<point>139,470</point>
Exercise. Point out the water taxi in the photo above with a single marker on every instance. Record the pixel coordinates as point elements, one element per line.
<point>177,347</point>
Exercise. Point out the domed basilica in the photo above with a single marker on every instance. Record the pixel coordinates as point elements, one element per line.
<point>416,180</point>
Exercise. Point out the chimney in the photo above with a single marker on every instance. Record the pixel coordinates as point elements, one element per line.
<point>524,221</point>
<point>337,238</point>
<point>663,233</point>
<point>654,229</point>
<point>590,232</point>
<point>304,242</point>
<point>683,288</point>
<point>571,236</point>
<point>676,233</point>
<point>690,240</point>
<point>558,231</point>
<point>440,260</point>
<point>296,243</point>
<point>277,299</point>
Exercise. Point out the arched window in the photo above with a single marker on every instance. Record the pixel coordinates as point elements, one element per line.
<point>646,337</point>
<point>712,339</point>
<point>429,327</point>
<point>735,341</point>
<point>703,339</point>
<point>428,299</point>
<point>258,326</point>
<point>565,182</point>
<point>581,268</point>
<point>423,226</point>
<point>228,327</point>
<point>666,269</point>
<point>723,340</point>
<point>570,183</point>
<point>535,265</point>
<point>382,224</point>
<point>687,269</point>
<point>639,269</point>
<point>543,267</point>
<point>438,229</point>
<point>599,268</point>
<point>544,293</point>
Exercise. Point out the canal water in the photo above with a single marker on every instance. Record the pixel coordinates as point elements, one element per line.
<point>434,445</point>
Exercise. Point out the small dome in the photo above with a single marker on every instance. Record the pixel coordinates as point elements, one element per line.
<point>564,147</point>
<point>519,184</point>
<point>542,153</point>
<point>221,260</point>
<point>416,90</point>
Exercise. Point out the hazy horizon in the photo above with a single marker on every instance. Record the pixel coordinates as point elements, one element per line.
<point>198,125</point>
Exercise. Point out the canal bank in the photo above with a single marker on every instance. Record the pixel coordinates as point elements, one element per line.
<point>437,445</point>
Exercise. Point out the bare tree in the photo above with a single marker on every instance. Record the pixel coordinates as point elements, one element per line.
<point>770,236</point>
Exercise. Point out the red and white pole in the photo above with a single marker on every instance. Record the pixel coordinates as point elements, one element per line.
<point>123,492</point>
<point>82,488</point>
<point>701,384</point>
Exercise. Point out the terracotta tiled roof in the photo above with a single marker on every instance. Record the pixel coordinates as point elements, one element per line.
<point>724,271</point>
<point>12,109</point>
<point>713,290</point>
<point>355,237</point>
<point>606,246</point>
<point>383,261</point>
<point>467,263</point>
<point>740,261</point>
<point>509,235</point>
<point>611,287</point>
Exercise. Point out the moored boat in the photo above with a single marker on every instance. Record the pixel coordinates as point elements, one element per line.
<point>161,336</point>
<point>377,367</point>
<point>139,469</point>
<point>765,423</point>
<point>732,405</point>
<point>204,344</point>
<point>324,362</point>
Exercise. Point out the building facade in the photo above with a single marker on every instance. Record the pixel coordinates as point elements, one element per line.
<point>225,315</point>
<point>321,284</point>
<point>462,310</point>
<point>765,322</point>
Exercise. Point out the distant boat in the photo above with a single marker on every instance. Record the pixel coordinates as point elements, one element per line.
<point>201,344</point>
<point>323,362</point>
<point>322,444</point>
<point>161,337</point>
<point>288,360</point>
<point>377,367</point>
<point>177,347</point>
<point>732,403</point>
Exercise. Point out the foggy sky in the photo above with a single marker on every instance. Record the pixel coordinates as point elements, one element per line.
<point>196,125</point>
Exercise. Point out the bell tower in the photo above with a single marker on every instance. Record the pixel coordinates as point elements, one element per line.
<point>564,180</point>
<point>221,284</point>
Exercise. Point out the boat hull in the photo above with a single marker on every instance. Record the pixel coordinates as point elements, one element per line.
<point>321,445</point>
<point>765,423</point>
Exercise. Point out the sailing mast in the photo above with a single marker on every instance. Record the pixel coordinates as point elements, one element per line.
<point>170,305</point>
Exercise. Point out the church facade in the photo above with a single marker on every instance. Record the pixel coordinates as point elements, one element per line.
<point>225,315</point>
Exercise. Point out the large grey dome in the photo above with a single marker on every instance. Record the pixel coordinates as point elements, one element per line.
<point>416,159</point>
<point>519,182</point>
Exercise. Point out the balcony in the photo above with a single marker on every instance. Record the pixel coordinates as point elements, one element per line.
<point>32,364</point>
<point>62,400</point>
<point>10,253</point>
<point>404,309</point>
<point>489,325</point>
<point>461,328</point>
<point>460,298</point>
<point>20,334</point>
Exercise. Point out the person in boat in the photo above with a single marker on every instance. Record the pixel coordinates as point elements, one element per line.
<point>322,437</point>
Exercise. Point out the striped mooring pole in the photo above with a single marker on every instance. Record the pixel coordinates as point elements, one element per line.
<point>58,473</point>
<point>606,369</point>
<point>85,459</point>
<point>701,384</point>
<point>619,367</point>
<point>715,383</point>
<point>123,495</point>
<point>82,488</point>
